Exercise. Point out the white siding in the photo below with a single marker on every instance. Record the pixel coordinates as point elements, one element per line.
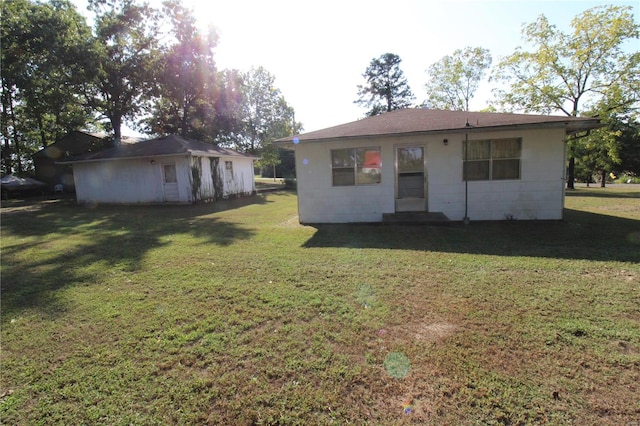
<point>240,180</point>
<point>128,181</point>
<point>141,180</point>
<point>538,194</point>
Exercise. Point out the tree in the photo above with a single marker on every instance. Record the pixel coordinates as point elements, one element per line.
<point>187,91</point>
<point>42,47</point>
<point>266,114</point>
<point>629,146</point>
<point>387,89</point>
<point>229,107</point>
<point>124,60</point>
<point>453,80</point>
<point>566,72</point>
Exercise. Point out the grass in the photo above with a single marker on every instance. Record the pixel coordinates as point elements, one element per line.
<point>233,313</point>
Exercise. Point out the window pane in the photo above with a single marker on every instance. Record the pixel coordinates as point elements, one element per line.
<point>410,185</point>
<point>410,160</point>
<point>478,150</point>
<point>506,169</point>
<point>368,157</point>
<point>368,175</point>
<point>170,173</point>
<point>506,148</point>
<point>343,176</point>
<point>342,157</point>
<point>476,170</point>
<point>369,165</point>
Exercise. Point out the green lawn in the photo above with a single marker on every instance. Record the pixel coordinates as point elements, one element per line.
<point>233,313</point>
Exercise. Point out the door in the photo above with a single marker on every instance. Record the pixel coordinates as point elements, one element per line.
<point>170,177</point>
<point>411,182</point>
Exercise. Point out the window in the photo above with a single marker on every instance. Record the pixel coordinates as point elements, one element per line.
<point>229,166</point>
<point>356,166</point>
<point>170,173</point>
<point>494,159</point>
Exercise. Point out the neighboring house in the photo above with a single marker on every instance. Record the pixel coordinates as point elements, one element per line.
<point>413,161</point>
<point>169,169</point>
<point>73,144</point>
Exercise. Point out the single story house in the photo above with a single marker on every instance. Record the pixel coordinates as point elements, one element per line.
<point>455,165</point>
<point>169,169</point>
<point>75,143</point>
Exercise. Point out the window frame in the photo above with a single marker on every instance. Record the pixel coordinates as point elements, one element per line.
<point>491,159</point>
<point>354,161</point>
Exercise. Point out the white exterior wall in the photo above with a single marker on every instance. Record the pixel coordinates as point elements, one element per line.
<point>538,194</point>
<point>240,180</point>
<point>320,202</point>
<point>142,181</point>
<point>128,181</point>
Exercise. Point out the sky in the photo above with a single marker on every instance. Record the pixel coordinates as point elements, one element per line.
<point>318,50</point>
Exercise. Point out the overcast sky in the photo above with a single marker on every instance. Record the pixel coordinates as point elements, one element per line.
<point>318,50</point>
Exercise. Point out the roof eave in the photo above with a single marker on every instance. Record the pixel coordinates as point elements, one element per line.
<point>135,157</point>
<point>571,127</point>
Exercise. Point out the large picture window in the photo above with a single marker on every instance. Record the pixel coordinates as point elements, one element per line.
<point>492,159</point>
<point>356,166</point>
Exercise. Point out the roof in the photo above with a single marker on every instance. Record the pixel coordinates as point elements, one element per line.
<point>158,147</point>
<point>79,142</point>
<point>421,121</point>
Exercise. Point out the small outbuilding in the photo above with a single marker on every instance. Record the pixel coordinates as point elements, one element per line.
<point>169,169</point>
<point>47,161</point>
<point>451,165</point>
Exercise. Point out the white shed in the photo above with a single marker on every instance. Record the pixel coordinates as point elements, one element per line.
<point>450,164</point>
<point>169,169</point>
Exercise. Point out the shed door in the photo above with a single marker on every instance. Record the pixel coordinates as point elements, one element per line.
<point>411,182</point>
<point>170,182</point>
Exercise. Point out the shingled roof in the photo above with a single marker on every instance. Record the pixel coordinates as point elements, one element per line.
<point>423,121</point>
<point>158,147</point>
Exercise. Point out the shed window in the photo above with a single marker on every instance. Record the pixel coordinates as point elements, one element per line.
<point>170,173</point>
<point>492,159</point>
<point>356,166</point>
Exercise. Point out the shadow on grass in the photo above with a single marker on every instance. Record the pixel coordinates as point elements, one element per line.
<point>118,236</point>
<point>602,193</point>
<point>581,235</point>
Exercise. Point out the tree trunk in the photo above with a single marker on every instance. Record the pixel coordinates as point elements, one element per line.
<point>16,142</point>
<point>116,123</point>
<point>571,173</point>
<point>603,178</point>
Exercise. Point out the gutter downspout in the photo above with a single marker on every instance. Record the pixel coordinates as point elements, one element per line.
<point>564,175</point>
<point>466,219</point>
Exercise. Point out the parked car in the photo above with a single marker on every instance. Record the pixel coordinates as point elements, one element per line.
<point>20,186</point>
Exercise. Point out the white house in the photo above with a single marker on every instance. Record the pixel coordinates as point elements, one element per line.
<point>169,169</point>
<point>414,160</point>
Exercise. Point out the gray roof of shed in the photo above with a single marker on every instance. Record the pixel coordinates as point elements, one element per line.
<point>158,147</point>
<point>421,120</point>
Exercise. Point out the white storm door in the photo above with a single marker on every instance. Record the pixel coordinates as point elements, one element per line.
<point>411,182</point>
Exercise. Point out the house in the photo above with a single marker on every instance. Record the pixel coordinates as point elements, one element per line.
<point>169,169</point>
<point>75,143</point>
<point>454,165</point>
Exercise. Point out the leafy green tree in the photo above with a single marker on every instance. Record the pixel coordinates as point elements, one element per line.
<point>187,90</point>
<point>42,48</point>
<point>453,80</point>
<point>124,60</point>
<point>571,73</point>
<point>387,88</point>
<point>266,114</point>
<point>629,146</point>
<point>614,148</point>
<point>270,158</point>
<point>229,107</point>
